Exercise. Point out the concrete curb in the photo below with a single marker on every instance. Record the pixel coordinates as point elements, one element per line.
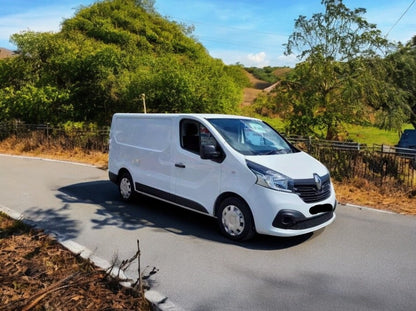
<point>158,301</point>
<point>369,209</point>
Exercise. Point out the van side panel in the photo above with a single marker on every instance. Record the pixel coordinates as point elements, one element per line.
<point>142,145</point>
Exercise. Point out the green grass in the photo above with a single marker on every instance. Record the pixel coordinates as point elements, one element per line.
<point>276,123</point>
<point>372,135</point>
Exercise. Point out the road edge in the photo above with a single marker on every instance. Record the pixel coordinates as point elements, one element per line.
<point>46,159</point>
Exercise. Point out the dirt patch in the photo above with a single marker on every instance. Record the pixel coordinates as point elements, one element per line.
<point>5,53</point>
<point>251,93</point>
<point>39,274</point>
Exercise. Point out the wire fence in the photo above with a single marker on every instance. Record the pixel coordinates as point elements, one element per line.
<point>66,137</point>
<point>381,164</point>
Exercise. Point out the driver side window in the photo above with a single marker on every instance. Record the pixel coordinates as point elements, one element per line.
<point>190,135</point>
<point>193,134</point>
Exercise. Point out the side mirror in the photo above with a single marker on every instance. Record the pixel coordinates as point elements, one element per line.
<point>209,152</point>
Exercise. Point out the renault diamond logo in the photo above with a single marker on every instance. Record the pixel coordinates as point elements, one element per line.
<point>318,182</point>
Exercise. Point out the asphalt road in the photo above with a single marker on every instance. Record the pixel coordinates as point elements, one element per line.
<point>365,260</point>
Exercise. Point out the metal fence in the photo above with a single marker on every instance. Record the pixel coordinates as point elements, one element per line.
<point>379,163</point>
<point>66,137</point>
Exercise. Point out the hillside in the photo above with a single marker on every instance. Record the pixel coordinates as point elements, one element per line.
<point>262,79</point>
<point>257,87</point>
<point>5,53</point>
<point>280,72</point>
<point>251,93</point>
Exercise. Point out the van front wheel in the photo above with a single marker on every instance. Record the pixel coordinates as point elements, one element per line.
<point>125,186</point>
<point>235,219</point>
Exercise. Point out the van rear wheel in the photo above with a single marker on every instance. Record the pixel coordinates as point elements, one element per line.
<point>125,186</point>
<point>235,219</point>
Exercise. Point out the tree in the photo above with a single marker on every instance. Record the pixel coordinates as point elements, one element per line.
<point>327,88</point>
<point>338,34</point>
<point>401,72</point>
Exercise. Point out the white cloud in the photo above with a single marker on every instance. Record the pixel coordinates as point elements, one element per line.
<point>261,59</point>
<point>287,60</point>
<point>258,58</point>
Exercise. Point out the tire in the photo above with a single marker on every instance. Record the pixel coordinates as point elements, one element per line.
<point>235,219</point>
<point>125,187</point>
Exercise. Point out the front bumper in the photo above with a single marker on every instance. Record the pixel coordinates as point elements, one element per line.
<point>286,214</point>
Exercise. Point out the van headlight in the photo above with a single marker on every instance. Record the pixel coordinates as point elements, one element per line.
<point>269,178</point>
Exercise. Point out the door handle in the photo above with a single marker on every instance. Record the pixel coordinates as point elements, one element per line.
<point>181,165</point>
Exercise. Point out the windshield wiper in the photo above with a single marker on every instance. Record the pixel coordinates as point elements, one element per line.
<point>277,151</point>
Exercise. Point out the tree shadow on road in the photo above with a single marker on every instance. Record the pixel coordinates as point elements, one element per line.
<point>145,212</point>
<point>54,221</point>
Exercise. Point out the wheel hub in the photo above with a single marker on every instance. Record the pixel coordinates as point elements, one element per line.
<point>233,220</point>
<point>125,188</point>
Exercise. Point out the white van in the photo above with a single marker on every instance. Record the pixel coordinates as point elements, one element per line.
<point>237,169</point>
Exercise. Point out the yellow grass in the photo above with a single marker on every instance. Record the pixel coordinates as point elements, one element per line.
<point>24,147</point>
<point>361,192</point>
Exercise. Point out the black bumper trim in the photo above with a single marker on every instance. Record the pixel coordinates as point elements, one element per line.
<point>291,219</point>
<point>169,197</point>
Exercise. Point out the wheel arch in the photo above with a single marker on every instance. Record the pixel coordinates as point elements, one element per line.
<point>225,195</point>
<point>249,231</point>
<point>121,171</point>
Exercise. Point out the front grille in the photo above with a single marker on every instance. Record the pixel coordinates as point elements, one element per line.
<point>308,191</point>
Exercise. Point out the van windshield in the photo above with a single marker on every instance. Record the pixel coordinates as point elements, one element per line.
<point>251,137</point>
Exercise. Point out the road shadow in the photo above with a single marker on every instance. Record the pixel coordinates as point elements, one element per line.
<point>53,221</point>
<point>146,212</point>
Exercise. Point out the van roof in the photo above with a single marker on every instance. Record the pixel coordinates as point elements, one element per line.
<point>197,115</point>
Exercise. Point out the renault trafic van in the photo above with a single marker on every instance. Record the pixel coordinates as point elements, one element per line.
<point>237,169</point>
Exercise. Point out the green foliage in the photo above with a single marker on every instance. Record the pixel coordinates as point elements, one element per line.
<point>79,134</point>
<point>338,34</point>
<point>104,59</point>
<point>34,104</point>
<point>237,74</point>
<point>71,128</point>
<point>401,75</point>
<point>266,73</point>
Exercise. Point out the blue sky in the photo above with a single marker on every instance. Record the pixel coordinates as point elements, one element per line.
<point>248,32</point>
